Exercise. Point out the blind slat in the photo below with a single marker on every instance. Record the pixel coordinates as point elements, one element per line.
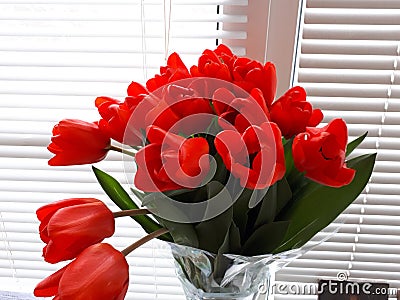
<point>56,57</point>
<point>351,16</point>
<point>348,61</point>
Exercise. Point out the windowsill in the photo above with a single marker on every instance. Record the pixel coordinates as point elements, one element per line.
<point>5,295</point>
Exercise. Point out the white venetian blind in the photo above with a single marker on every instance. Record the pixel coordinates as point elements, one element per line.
<point>348,59</point>
<point>56,56</point>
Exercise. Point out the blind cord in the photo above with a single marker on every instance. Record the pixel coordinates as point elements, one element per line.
<point>143,40</point>
<point>167,26</point>
<point>8,248</point>
<point>268,29</point>
<point>377,146</point>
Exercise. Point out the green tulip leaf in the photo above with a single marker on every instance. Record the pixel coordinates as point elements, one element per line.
<point>138,194</point>
<point>240,211</point>
<point>220,171</point>
<point>114,190</point>
<point>266,213</point>
<point>182,233</point>
<point>265,238</point>
<point>120,197</point>
<point>354,144</point>
<point>211,233</point>
<point>231,242</point>
<point>299,238</point>
<point>289,163</point>
<point>230,245</point>
<point>319,205</point>
<point>294,178</point>
<point>174,193</point>
<point>284,195</point>
<point>277,196</point>
<point>188,196</point>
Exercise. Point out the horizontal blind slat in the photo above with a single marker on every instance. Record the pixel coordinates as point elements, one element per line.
<point>351,16</point>
<point>349,47</point>
<point>55,58</point>
<point>382,4</point>
<point>358,32</point>
<point>124,2</point>
<point>348,58</point>
<point>335,61</point>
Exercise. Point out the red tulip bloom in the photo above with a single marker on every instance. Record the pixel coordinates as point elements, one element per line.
<point>256,157</point>
<point>69,226</point>
<point>77,142</point>
<point>182,109</point>
<point>293,113</point>
<point>320,153</point>
<point>240,112</point>
<point>250,74</point>
<point>214,64</point>
<point>225,54</point>
<point>171,162</point>
<point>116,114</point>
<point>175,70</point>
<point>161,116</point>
<point>187,101</point>
<point>99,272</point>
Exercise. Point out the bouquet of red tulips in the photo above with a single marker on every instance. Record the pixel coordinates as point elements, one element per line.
<point>222,166</point>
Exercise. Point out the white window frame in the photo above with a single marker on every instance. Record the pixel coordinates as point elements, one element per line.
<point>272,35</point>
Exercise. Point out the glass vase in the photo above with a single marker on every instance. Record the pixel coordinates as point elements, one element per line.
<point>208,276</point>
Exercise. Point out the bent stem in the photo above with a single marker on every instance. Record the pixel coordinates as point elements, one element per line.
<point>131,212</point>
<point>114,148</point>
<point>144,240</point>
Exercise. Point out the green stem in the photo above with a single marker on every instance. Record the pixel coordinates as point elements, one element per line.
<point>122,151</point>
<point>144,240</point>
<point>131,212</point>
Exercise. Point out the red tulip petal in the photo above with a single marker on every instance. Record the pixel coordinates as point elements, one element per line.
<point>174,61</point>
<point>50,209</point>
<point>135,89</point>
<point>99,272</point>
<point>223,49</point>
<point>190,154</point>
<point>338,127</point>
<point>222,97</point>
<point>49,286</point>
<point>316,118</point>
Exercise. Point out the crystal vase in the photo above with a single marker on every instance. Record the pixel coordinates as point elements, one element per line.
<point>207,276</point>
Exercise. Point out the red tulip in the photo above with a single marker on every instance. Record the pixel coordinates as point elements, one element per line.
<point>175,70</point>
<point>69,226</point>
<point>320,153</point>
<point>183,109</point>
<point>187,101</point>
<point>240,112</point>
<point>256,157</point>
<point>171,162</point>
<point>293,113</point>
<point>116,114</point>
<point>215,64</point>
<point>135,92</point>
<point>225,54</point>
<point>99,272</point>
<point>250,74</point>
<point>77,142</point>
